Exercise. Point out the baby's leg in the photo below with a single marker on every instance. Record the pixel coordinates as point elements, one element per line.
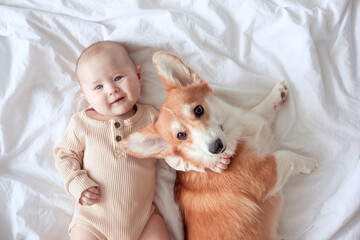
<point>155,229</point>
<point>79,233</point>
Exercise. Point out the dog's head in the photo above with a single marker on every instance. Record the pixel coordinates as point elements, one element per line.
<point>190,122</point>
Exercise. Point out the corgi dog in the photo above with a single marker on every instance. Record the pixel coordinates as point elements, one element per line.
<point>197,127</point>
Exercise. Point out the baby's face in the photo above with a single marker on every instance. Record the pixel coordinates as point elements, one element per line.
<point>110,83</point>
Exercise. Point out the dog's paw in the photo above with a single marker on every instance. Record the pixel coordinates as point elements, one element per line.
<point>280,94</point>
<point>309,165</point>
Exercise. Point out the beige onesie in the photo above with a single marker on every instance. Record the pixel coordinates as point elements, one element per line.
<point>90,155</point>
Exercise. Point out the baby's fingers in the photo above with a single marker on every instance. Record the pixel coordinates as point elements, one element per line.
<point>88,201</point>
<point>94,190</point>
<point>91,195</point>
<point>216,169</point>
<point>225,161</point>
<point>221,166</point>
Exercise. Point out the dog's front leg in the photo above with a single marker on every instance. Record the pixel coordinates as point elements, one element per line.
<point>271,104</point>
<point>289,163</point>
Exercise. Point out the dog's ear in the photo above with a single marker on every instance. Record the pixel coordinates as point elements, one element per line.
<point>146,143</point>
<point>173,72</point>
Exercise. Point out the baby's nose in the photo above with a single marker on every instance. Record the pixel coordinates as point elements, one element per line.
<point>113,90</point>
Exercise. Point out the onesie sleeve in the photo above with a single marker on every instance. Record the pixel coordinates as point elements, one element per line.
<point>69,154</point>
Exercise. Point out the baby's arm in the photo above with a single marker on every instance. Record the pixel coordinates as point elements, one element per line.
<point>68,161</point>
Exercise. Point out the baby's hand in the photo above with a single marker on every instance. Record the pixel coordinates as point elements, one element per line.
<point>222,165</point>
<point>90,196</point>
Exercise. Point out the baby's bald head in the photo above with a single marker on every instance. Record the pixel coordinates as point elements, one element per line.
<point>98,49</point>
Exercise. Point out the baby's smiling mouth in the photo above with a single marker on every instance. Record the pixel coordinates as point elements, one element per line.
<point>118,100</point>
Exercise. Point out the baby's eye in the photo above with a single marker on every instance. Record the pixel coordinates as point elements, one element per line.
<point>117,78</point>
<point>98,87</point>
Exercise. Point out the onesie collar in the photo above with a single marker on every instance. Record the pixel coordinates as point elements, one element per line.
<point>139,111</point>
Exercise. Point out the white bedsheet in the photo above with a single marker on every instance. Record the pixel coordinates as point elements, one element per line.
<point>242,48</point>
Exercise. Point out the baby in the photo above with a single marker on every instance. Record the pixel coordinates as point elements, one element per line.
<point>113,191</point>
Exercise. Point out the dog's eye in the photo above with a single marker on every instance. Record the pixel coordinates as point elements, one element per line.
<point>182,135</point>
<point>198,110</point>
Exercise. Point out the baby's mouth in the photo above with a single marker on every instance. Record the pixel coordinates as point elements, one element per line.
<point>118,100</point>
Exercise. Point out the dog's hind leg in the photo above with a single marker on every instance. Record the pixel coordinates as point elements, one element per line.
<point>271,104</point>
<point>289,163</point>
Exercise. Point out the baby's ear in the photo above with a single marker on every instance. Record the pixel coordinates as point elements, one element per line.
<point>146,143</point>
<point>138,73</point>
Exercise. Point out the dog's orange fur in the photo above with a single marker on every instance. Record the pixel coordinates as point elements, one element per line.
<point>230,205</point>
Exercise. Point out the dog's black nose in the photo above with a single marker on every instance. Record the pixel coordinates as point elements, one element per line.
<point>216,146</point>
